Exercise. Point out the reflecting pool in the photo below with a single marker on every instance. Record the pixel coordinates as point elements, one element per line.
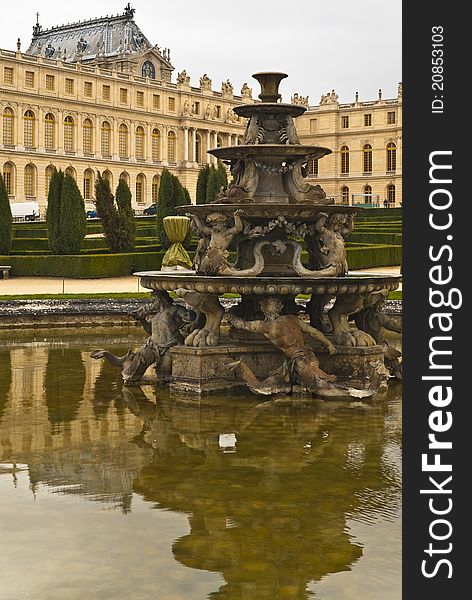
<point>129,493</point>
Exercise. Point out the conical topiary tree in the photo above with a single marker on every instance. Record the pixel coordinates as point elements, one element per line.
<point>72,221</point>
<point>126,213</point>
<point>115,233</point>
<point>213,186</point>
<point>6,228</point>
<point>222,175</point>
<point>53,211</point>
<point>202,183</point>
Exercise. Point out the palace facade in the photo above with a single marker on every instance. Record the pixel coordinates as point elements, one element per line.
<point>98,96</point>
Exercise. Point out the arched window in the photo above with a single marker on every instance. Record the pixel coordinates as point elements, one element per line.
<point>47,178</point>
<point>219,142</point>
<point>391,194</point>
<point>9,178</point>
<point>156,145</point>
<point>106,140</point>
<point>88,184</point>
<point>69,134</point>
<point>368,194</point>
<point>8,126</point>
<point>367,159</point>
<point>140,189</point>
<point>30,181</point>
<point>88,136</point>
<point>124,177</point>
<point>123,141</point>
<point>344,160</point>
<point>345,194</point>
<point>198,149</point>
<point>70,171</point>
<point>107,176</point>
<point>28,129</point>
<point>148,70</point>
<point>171,147</point>
<point>140,143</point>
<point>313,167</point>
<point>155,188</point>
<point>49,132</point>
<point>391,157</point>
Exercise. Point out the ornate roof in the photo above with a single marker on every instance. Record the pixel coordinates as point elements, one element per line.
<point>98,39</point>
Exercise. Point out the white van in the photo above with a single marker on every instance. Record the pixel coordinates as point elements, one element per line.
<point>25,211</point>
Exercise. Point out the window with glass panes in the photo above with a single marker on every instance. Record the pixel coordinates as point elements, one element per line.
<point>8,126</point>
<point>88,182</point>
<point>8,75</point>
<point>344,160</point>
<point>345,194</point>
<point>88,89</point>
<point>368,120</point>
<point>69,85</point>
<point>106,139</point>
<point>171,104</point>
<point>123,96</point>
<point>49,132</point>
<point>48,175</point>
<point>155,188</point>
<point>391,157</point>
<point>156,101</point>
<point>391,194</point>
<point>68,134</point>
<point>155,145</point>
<point>367,158</point>
<point>140,98</point>
<point>28,121</point>
<point>123,141</point>
<point>140,189</point>
<point>88,136</point>
<point>368,194</point>
<point>171,147</point>
<point>391,118</point>
<point>140,143</point>
<point>29,181</point>
<point>106,92</point>
<point>29,79</point>
<point>8,178</point>
<point>50,83</point>
<point>313,167</point>
<point>345,122</point>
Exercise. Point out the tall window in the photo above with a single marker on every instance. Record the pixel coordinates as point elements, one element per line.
<point>70,171</point>
<point>123,96</point>
<point>47,178</point>
<point>313,167</point>
<point>391,157</point>
<point>391,120</point>
<point>8,178</point>
<point>106,139</point>
<point>344,160</point>
<point>198,149</point>
<point>345,194</point>
<point>140,98</point>
<point>69,85</point>
<point>106,92</point>
<point>345,122</point>
<point>88,89</point>
<point>148,70</point>
<point>124,177</point>
<point>171,144</point>
<point>49,132</point>
<point>88,136</point>
<point>140,142</point>
<point>368,194</point>
<point>156,154</point>
<point>391,194</point>
<point>88,184</point>
<point>140,189</point>
<point>368,120</point>
<point>367,159</point>
<point>155,188</point>
<point>30,181</point>
<point>156,101</point>
<point>28,126</point>
<point>69,134</point>
<point>8,126</point>
<point>107,176</point>
<point>8,75</point>
<point>50,83</point>
<point>171,104</point>
<point>123,141</point>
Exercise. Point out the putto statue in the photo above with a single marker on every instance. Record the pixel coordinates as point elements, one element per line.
<point>300,100</point>
<point>246,91</point>
<point>329,98</point>
<point>227,87</point>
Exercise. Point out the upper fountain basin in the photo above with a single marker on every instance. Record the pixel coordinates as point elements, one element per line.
<point>272,152</point>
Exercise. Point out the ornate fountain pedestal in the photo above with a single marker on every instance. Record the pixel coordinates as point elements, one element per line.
<point>289,241</point>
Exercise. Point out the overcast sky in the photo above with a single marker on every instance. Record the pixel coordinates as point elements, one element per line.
<point>322,44</point>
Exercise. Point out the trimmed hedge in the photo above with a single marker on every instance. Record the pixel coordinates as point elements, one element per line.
<point>83,265</point>
<point>377,237</point>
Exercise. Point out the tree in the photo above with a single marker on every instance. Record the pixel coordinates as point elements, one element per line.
<point>6,228</point>
<point>115,232</point>
<point>202,182</point>
<point>171,195</point>
<point>222,175</point>
<point>213,186</point>
<point>126,213</point>
<point>72,221</point>
<point>53,211</point>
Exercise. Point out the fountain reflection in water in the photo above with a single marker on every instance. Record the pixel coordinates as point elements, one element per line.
<point>305,499</point>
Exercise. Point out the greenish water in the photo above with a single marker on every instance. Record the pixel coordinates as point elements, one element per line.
<point>112,493</point>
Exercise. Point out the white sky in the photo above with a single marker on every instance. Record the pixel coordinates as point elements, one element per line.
<point>322,44</point>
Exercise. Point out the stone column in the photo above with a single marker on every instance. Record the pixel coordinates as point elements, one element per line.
<point>194,144</point>
<point>60,132</point>
<point>185,144</point>
<point>97,136</point>
<point>208,146</point>
<point>164,145</point>
<point>39,133</point>
<point>148,144</point>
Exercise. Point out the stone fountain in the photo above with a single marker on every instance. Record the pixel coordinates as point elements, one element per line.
<point>288,240</point>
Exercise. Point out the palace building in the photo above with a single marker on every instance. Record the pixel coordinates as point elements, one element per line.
<point>98,96</point>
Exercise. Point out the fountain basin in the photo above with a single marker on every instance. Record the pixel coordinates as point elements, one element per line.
<point>272,152</point>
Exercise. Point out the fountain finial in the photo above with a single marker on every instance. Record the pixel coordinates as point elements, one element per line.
<point>270,82</point>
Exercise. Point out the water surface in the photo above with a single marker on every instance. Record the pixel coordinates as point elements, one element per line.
<point>130,493</point>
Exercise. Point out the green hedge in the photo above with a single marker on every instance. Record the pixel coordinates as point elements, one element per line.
<point>377,237</point>
<point>83,265</point>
